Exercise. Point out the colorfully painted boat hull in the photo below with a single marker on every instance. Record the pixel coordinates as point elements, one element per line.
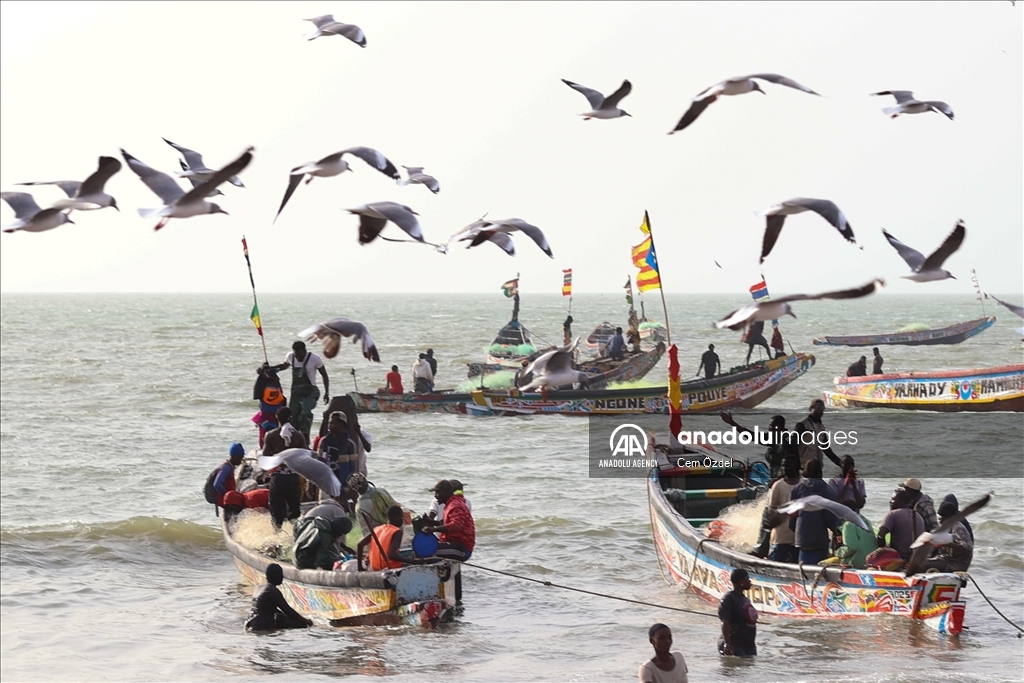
<point>420,595</point>
<point>977,390</point>
<point>746,389</point>
<point>954,334</point>
<point>409,403</point>
<point>701,565</point>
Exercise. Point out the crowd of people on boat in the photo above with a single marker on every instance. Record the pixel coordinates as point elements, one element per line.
<point>821,537</point>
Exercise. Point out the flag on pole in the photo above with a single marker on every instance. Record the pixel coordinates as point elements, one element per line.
<point>645,226</point>
<point>511,288</point>
<point>759,291</point>
<point>629,290</point>
<point>675,394</point>
<point>646,260</point>
<point>977,287</point>
<point>255,317</point>
<point>245,250</point>
<point>567,282</point>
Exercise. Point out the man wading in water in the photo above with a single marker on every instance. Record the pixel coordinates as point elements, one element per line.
<point>305,393</point>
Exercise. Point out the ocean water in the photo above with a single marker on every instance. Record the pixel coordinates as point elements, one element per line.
<point>113,408</point>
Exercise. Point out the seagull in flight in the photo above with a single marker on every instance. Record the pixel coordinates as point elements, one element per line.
<point>177,202</point>
<point>497,231</point>
<point>906,104</point>
<point>602,107</point>
<point>373,217</point>
<point>734,86</point>
<point>331,331</point>
<point>776,216</point>
<point>814,503</point>
<point>741,318</point>
<point>416,175</point>
<point>929,269</point>
<point>196,168</point>
<point>196,182</point>
<point>327,26</point>
<point>927,541</point>
<point>335,164</point>
<point>29,217</point>
<point>87,195</point>
<point>554,369</point>
<point>1013,308</point>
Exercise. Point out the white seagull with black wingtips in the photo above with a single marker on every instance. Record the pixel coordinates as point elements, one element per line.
<point>929,269</point>
<point>775,216</point>
<point>336,164</point>
<point>87,195</point>
<point>734,86</point>
<point>741,318</point>
<point>907,104</point>
<point>602,107</point>
<point>331,331</point>
<point>29,217</point>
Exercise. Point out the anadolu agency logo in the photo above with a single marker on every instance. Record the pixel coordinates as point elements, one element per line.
<point>628,441</point>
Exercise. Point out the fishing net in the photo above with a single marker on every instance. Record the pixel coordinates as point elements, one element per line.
<point>511,349</point>
<point>741,524</point>
<point>255,530</point>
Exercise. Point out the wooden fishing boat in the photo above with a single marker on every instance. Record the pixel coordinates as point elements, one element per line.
<point>683,500</point>
<point>954,334</point>
<point>745,388</point>
<point>651,331</point>
<point>981,389</point>
<point>599,337</point>
<point>418,595</point>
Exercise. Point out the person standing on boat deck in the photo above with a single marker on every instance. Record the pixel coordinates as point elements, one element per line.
<point>270,609</point>
<point>755,337</point>
<point>305,393</point>
<point>783,539</point>
<point>664,666</point>
<point>781,444</point>
<point>710,363</point>
<point>777,345</point>
<point>317,540</point>
<point>739,619</point>
<point>902,525</point>
<point>617,345</point>
<point>433,367</point>
<point>394,380</point>
<point>285,485</point>
<point>458,530</point>
<point>920,503</point>
<point>858,368</point>
<point>876,367</point>
<point>423,378</point>
<point>819,443</point>
<point>337,448</point>
<point>225,479</point>
<point>567,330</point>
<point>812,527</point>
<point>848,488</point>
<point>267,390</point>
<point>955,556</point>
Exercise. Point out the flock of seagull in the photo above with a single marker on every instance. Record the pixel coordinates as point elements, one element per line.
<point>373,217</point>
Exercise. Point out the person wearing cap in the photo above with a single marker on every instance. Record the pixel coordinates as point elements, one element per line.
<point>814,446</point>
<point>317,540</point>
<point>436,509</point>
<point>955,556</point>
<point>305,393</point>
<point>920,503</point>
<point>901,526</point>
<point>337,448</point>
<point>384,544</point>
<point>710,363</point>
<point>739,619</point>
<point>951,499</point>
<point>457,530</point>
<point>664,666</point>
<point>270,609</point>
<point>372,502</point>
<point>225,479</point>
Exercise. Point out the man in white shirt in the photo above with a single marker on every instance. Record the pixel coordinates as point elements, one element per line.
<point>304,393</point>
<point>422,377</point>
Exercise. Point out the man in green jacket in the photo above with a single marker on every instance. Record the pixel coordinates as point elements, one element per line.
<point>315,545</point>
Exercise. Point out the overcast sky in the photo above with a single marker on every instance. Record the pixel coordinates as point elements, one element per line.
<point>472,92</point>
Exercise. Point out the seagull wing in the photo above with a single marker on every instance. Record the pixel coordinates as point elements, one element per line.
<point>331,339</point>
<point>612,100</point>
<point>595,98</point>
<point>192,158</point>
<point>738,319</point>
<point>369,227</point>
<point>830,212</point>
<point>162,185</point>
<point>952,243</point>
<point>532,231</point>
<point>195,181</point>
<point>23,203</point>
<point>900,95</point>
<point>293,182</point>
<point>320,22</point>
<point>428,180</point>
<point>221,176</point>
<point>772,228</point>
<point>921,553</point>
<point>68,187</point>
<point>941,107</point>
<point>1016,310</point>
<point>343,327</point>
<point>913,257</point>
<point>94,184</point>
<point>855,293</point>
<point>697,108</point>
<point>374,159</point>
<point>350,31</point>
<point>402,216</point>
<point>782,80</point>
<point>502,239</point>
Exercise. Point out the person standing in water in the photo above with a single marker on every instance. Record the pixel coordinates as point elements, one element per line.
<point>739,619</point>
<point>270,609</point>
<point>664,666</point>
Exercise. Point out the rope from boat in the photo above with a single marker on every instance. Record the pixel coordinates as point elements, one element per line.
<point>1005,618</point>
<point>581,590</point>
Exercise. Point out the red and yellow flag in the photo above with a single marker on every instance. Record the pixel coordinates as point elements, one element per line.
<point>567,282</point>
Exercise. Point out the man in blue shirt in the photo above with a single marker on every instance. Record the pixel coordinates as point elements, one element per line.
<point>812,527</point>
<point>617,345</point>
